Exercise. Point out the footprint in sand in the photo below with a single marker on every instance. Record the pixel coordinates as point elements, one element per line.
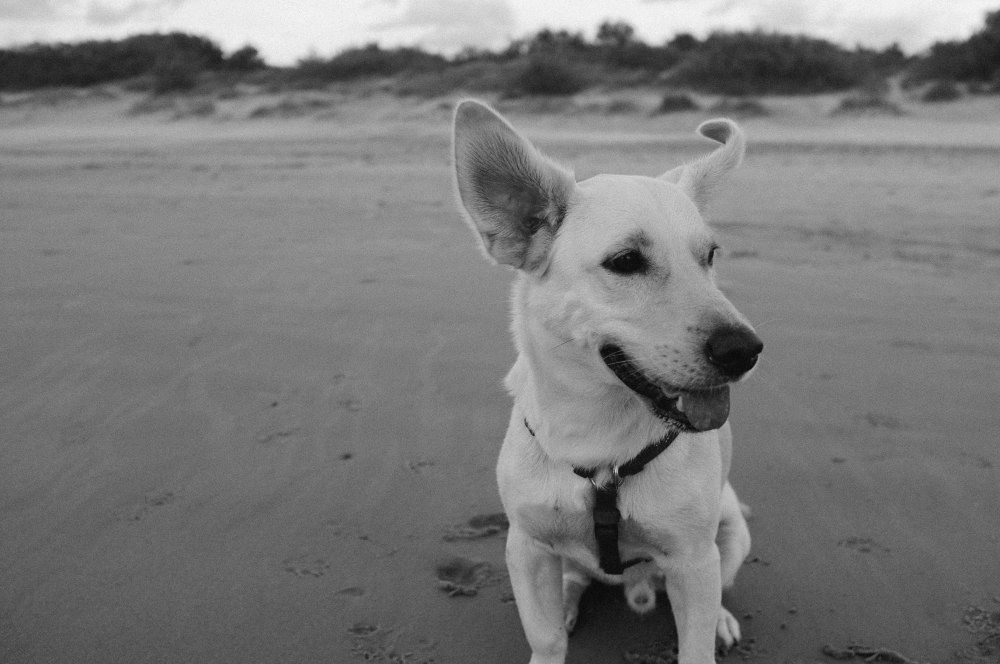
<point>420,465</point>
<point>351,404</point>
<point>347,399</point>
<point>381,645</point>
<point>462,577</point>
<point>984,624</point>
<point>277,434</point>
<point>478,527</point>
<point>282,424</point>
<point>862,545</point>
<point>305,566</point>
<point>149,503</point>
<point>75,433</point>
<point>883,421</point>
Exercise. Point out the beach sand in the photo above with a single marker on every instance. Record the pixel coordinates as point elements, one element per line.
<point>250,386</point>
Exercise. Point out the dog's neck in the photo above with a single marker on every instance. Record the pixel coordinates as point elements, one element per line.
<point>578,410</point>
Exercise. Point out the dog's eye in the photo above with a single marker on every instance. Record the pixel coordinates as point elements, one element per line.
<point>627,262</point>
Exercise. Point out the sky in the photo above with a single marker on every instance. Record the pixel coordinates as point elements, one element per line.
<point>286,30</point>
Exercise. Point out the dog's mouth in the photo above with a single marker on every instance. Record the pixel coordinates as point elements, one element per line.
<point>691,410</point>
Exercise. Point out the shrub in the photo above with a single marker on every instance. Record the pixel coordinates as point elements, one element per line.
<point>227,92</point>
<point>741,106</point>
<point>291,107</point>
<point>613,106</point>
<point>941,91</point>
<point>175,73</point>
<point>619,48</point>
<point>975,59</point>
<point>152,104</point>
<point>548,105</point>
<point>245,59</point>
<point>861,103</point>
<point>744,63</point>
<point>547,76</point>
<point>621,107</point>
<point>676,103</point>
<point>551,43</point>
<point>474,76</point>
<point>368,62</point>
<point>199,108</point>
<point>93,62</point>
<point>952,60</point>
<point>874,86</point>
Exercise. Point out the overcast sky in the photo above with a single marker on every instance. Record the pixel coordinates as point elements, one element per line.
<point>286,30</point>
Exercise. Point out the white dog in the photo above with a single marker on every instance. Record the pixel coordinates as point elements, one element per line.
<point>616,457</point>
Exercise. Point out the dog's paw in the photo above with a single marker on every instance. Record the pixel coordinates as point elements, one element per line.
<point>570,615</point>
<point>572,591</point>
<point>727,631</point>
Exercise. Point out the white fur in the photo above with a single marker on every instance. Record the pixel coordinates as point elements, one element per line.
<point>680,511</point>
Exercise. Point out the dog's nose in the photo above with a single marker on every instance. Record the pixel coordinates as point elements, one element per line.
<point>733,350</point>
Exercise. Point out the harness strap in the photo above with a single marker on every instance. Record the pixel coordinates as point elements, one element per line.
<point>634,465</point>
<point>606,520</point>
<point>606,513</point>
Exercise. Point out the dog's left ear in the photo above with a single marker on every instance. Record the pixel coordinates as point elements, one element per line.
<point>699,178</point>
<point>514,196</point>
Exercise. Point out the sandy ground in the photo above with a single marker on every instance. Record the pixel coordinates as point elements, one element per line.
<point>250,387</point>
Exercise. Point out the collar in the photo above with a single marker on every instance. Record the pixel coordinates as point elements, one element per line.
<point>631,467</point>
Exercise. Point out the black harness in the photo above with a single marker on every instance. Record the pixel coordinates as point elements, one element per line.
<point>606,514</point>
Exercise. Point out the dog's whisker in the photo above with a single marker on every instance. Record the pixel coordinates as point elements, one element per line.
<point>560,345</point>
<point>769,321</point>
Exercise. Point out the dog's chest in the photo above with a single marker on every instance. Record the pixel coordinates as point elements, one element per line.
<point>566,521</point>
<point>673,498</point>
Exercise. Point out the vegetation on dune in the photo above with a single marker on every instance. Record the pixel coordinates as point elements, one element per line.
<point>870,98</point>
<point>743,63</point>
<point>548,63</point>
<point>975,60</point>
<point>740,106</point>
<point>367,62</point>
<point>94,62</point>
<point>941,91</point>
<point>673,102</point>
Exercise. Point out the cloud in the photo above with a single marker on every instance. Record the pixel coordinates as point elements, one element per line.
<point>914,24</point>
<point>722,8</point>
<point>448,25</point>
<point>96,12</point>
<point>33,10</point>
<point>104,13</point>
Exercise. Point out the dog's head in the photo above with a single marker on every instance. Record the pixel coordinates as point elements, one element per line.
<point>619,266</point>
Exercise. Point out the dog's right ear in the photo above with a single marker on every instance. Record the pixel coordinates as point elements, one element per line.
<point>513,196</point>
<point>699,178</point>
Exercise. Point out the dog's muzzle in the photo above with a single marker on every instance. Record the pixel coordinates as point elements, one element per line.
<point>690,410</point>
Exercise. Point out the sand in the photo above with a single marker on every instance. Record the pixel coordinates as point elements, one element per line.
<point>250,386</point>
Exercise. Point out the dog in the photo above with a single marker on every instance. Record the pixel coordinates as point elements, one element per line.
<point>625,352</point>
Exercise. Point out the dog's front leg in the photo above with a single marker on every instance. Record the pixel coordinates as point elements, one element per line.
<point>694,586</point>
<point>536,577</point>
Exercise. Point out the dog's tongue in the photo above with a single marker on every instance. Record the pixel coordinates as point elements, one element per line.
<point>707,409</point>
